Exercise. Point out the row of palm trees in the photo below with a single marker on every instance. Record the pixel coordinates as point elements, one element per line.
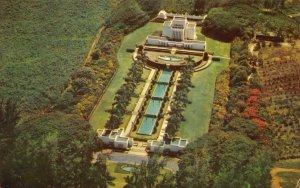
<point>180,99</point>
<point>125,93</point>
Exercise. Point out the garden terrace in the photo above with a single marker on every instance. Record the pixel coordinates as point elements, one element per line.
<point>155,55</point>
<point>100,115</point>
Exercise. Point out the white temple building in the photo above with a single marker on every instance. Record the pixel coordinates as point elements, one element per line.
<point>179,29</point>
<point>179,33</point>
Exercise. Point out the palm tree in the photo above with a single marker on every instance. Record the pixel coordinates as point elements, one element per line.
<point>190,60</point>
<point>144,57</point>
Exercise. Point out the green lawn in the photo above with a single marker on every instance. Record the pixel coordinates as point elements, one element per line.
<point>100,116</point>
<point>218,48</point>
<point>200,36</point>
<point>198,113</point>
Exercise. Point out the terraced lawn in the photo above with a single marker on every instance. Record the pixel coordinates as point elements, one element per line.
<point>197,114</point>
<point>100,116</point>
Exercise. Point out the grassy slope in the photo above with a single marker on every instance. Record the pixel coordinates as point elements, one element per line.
<point>100,116</point>
<point>198,113</point>
<point>42,43</point>
<point>219,48</point>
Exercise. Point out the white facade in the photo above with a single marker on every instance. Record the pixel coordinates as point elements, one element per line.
<point>115,138</point>
<point>179,29</point>
<point>164,42</point>
<point>176,145</point>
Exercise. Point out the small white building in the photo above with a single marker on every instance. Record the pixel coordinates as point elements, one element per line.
<point>162,15</point>
<point>115,138</point>
<point>154,145</point>
<point>175,145</point>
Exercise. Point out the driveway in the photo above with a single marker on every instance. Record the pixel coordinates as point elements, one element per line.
<point>172,163</point>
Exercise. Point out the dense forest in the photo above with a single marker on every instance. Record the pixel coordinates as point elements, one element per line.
<point>47,94</point>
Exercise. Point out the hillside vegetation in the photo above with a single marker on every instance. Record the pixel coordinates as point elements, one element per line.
<point>43,46</point>
<point>42,43</point>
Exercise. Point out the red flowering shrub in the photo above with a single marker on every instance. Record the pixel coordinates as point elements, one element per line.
<point>255,92</point>
<point>259,123</point>
<point>252,99</point>
<point>250,112</point>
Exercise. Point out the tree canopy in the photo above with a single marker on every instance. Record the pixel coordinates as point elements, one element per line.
<point>222,24</point>
<point>55,150</point>
<point>224,159</point>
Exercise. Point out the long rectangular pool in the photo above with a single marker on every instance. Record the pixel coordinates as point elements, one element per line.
<point>147,126</point>
<point>153,107</point>
<point>160,91</point>
<point>165,76</point>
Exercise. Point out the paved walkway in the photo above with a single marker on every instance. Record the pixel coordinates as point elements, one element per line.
<point>139,103</point>
<point>223,57</point>
<point>209,61</point>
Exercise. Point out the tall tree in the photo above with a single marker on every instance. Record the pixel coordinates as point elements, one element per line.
<point>9,116</point>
